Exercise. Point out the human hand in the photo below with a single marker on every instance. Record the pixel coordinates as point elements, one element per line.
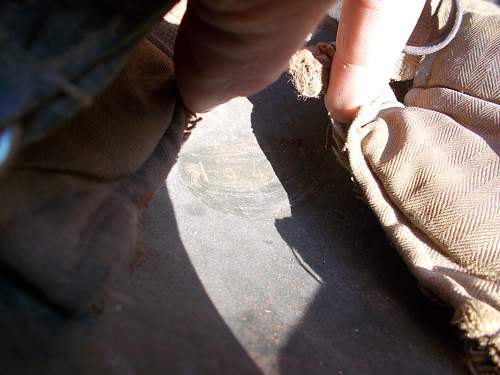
<point>230,48</point>
<point>236,48</point>
<point>370,38</point>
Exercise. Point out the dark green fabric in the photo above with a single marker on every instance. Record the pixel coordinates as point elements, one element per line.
<point>70,202</point>
<point>57,54</point>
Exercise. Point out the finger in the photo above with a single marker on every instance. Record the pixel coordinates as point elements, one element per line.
<point>371,36</point>
<point>235,48</point>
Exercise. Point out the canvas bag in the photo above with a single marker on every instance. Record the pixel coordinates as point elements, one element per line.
<point>430,170</point>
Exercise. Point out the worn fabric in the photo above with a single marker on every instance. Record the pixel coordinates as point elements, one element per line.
<point>70,202</point>
<point>55,56</point>
<point>431,173</point>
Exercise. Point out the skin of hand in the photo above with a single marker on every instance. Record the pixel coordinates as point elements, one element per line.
<point>370,38</point>
<point>230,48</point>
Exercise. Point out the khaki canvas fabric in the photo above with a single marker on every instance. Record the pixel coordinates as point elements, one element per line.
<point>431,173</point>
<point>70,202</point>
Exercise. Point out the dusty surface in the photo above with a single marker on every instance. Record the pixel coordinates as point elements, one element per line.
<point>215,288</point>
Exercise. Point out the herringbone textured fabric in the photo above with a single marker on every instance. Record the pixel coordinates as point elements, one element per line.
<point>475,72</point>
<point>458,211</point>
<point>431,173</point>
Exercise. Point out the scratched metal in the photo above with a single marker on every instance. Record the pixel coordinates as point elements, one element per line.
<point>215,289</point>
<point>234,175</point>
<point>359,311</point>
<point>211,292</point>
<point>234,179</point>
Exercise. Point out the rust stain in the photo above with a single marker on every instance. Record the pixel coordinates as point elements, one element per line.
<point>141,256</point>
<point>144,199</point>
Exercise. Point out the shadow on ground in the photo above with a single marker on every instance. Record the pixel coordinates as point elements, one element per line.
<point>156,318</point>
<point>369,315</point>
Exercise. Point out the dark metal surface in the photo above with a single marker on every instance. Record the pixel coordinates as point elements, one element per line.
<point>219,283</point>
<point>215,287</point>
